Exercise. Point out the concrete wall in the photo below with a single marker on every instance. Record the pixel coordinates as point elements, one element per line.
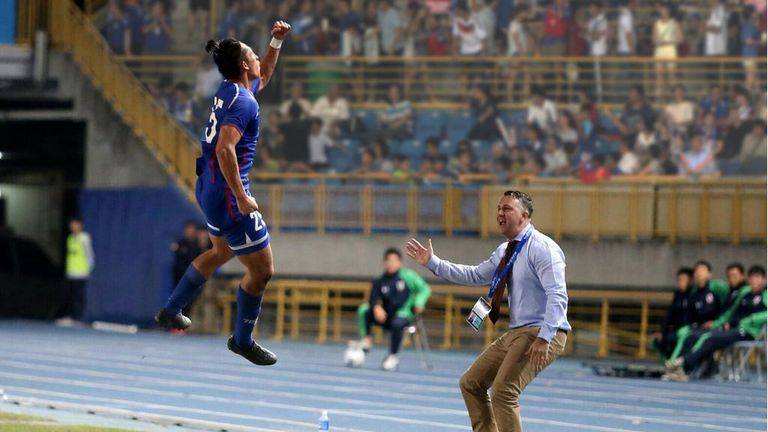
<point>603,263</point>
<point>114,156</point>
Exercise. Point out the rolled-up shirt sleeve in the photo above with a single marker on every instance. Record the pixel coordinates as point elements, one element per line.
<point>549,262</point>
<point>480,274</point>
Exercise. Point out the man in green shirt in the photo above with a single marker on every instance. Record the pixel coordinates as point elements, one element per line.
<point>395,296</point>
<point>79,265</point>
<point>744,320</point>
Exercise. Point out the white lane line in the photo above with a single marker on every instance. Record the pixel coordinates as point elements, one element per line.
<point>162,407</point>
<point>630,396</point>
<point>167,383</point>
<point>529,395</point>
<point>561,382</point>
<point>158,419</point>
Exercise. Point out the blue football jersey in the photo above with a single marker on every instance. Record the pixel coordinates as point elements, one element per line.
<point>236,106</point>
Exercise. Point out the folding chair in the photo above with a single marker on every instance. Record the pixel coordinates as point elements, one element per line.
<point>418,334</point>
<point>734,361</point>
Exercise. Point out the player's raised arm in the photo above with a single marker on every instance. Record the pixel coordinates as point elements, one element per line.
<point>279,31</point>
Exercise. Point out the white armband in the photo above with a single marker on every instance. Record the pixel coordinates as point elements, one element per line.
<point>275,43</point>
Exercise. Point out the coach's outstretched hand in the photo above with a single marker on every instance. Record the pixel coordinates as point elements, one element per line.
<point>280,29</point>
<point>419,253</point>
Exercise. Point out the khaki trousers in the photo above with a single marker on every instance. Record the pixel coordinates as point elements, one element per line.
<point>506,370</point>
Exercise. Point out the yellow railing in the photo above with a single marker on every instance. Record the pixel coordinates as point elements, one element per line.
<point>170,143</point>
<point>631,208</point>
<point>604,321</point>
<point>442,82</point>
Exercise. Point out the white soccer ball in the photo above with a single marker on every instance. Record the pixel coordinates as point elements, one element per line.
<point>354,356</point>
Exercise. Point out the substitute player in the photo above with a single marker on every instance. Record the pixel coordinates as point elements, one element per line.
<point>234,222</point>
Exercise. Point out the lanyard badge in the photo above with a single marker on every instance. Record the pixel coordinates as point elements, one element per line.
<point>481,309</point>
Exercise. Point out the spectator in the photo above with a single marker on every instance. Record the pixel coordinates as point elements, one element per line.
<point>736,281</point>
<point>207,79</point>
<point>184,251</point>
<point>555,159</point>
<point>556,26</point>
<point>116,30</point>
<point>533,138</point>
<point>664,341</point>
<point>541,111</point>
<point>439,37</point>
<point>295,132</point>
<point>397,296</point>
<point>255,24</point>
<point>743,106</point>
<point>517,46</point>
<point>753,148</point>
<point>484,112</point>
<point>297,101</point>
<point>465,163</point>
<point>371,34</point>
<point>625,31</point>
<point>716,32</point>
<point>432,147</point>
<point>710,133</point>
<point>743,321</point>
<point>667,34</point>
<point>715,103</point>
<point>366,163</point>
<point>331,108</point>
<point>79,265</point>
<point>679,113</point>
<point>134,14</point>
<point>751,41</point>
<point>485,17</point>
<point>319,142</point>
<point>181,106</point>
<point>303,29</point>
<point>628,163</point>
<point>349,25</point>
<point>402,169</point>
<point>229,26</point>
<point>698,161</point>
<point>593,169</point>
<point>646,136</point>
<point>636,112</point>
<point>197,17</point>
<point>265,161</point>
<point>390,27</point>
<point>397,118</point>
<point>597,31</point>
<point>567,131</point>
<point>381,161</point>
<point>668,166</point>
<point>468,35</point>
<point>648,161</point>
<point>156,30</point>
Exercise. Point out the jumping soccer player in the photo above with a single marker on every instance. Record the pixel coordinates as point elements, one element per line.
<point>234,222</point>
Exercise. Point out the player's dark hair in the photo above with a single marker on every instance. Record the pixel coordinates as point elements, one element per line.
<point>523,198</point>
<point>704,263</point>
<point>735,265</point>
<point>393,251</point>
<point>756,269</point>
<point>686,271</point>
<point>227,54</point>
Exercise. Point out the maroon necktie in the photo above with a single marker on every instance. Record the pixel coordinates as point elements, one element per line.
<point>499,294</point>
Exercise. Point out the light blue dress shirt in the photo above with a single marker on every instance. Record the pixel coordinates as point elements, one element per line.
<point>537,294</point>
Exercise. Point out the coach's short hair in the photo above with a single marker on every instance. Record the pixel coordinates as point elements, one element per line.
<point>393,251</point>
<point>523,198</point>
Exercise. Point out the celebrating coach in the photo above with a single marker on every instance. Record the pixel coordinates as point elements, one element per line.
<point>533,267</point>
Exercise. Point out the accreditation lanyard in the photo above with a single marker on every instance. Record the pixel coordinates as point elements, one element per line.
<point>502,273</point>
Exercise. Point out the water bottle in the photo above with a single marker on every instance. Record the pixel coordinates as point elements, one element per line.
<point>322,423</point>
